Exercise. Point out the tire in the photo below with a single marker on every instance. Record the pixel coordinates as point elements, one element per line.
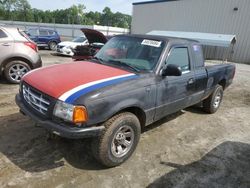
<point>105,148</point>
<point>212,103</point>
<point>15,70</point>
<point>52,45</point>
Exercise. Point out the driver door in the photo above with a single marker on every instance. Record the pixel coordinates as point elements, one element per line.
<point>175,92</point>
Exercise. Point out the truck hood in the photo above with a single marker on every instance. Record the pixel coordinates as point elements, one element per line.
<point>68,82</point>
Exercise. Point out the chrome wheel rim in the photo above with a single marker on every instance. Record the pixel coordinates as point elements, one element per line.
<point>217,100</point>
<point>17,71</point>
<point>52,46</point>
<point>122,141</point>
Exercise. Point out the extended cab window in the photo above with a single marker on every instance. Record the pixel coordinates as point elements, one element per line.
<point>179,56</point>
<point>2,34</point>
<point>198,55</point>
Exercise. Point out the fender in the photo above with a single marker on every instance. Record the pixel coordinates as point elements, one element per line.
<point>15,57</point>
<point>103,109</point>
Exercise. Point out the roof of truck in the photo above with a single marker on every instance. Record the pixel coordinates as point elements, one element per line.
<point>161,38</point>
<point>151,2</point>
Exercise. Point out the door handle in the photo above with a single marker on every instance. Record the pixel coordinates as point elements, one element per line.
<point>190,81</point>
<point>5,44</point>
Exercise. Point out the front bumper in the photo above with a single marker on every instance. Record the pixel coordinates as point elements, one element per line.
<point>63,51</point>
<point>60,129</point>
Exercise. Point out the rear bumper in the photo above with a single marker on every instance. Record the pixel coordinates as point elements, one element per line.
<point>60,129</point>
<point>38,63</point>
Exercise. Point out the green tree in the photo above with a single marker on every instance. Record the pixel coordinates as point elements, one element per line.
<point>23,10</point>
<point>107,17</point>
<point>20,10</point>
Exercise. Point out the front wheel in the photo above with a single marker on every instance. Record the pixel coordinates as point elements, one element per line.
<point>15,70</point>
<point>118,141</point>
<point>52,45</point>
<point>212,103</point>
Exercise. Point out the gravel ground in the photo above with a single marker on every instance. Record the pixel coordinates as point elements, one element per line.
<point>187,149</point>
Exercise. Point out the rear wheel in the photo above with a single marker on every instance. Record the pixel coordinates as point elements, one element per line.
<point>118,141</point>
<point>212,103</point>
<point>52,45</point>
<point>15,70</point>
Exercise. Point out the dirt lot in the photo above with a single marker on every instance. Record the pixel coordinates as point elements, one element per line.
<point>187,149</point>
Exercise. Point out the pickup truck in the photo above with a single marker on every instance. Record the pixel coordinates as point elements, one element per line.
<point>133,81</point>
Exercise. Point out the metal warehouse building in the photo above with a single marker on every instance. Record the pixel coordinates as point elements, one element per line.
<point>209,16</point>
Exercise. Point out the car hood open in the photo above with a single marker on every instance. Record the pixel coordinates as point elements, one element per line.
<point>69,81</point>
<point>94,36</point>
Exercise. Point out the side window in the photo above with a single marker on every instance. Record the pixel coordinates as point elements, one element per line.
<point>51,32</point>
<point>2,34</point>
<point>33,32</point>
<point>179,56</point>
<point>43,33</point>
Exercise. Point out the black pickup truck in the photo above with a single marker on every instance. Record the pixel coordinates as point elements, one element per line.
<point>133,81</point>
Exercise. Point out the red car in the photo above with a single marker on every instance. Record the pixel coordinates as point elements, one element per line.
<point>96,41</point>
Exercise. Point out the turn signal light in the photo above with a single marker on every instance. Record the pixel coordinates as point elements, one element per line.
<point>80,114</point>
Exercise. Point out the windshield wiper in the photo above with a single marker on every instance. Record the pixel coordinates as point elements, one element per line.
<point>100,60</point>
<point>117,62</point>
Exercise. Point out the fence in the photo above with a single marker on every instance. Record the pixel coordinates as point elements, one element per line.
<point>67,30</point>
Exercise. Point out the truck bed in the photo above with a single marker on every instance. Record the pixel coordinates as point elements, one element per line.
<point>218,70</point>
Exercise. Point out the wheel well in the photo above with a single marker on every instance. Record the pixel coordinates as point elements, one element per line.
<point>223,83</point>
<point>138,112</point>
<point>52,41</point>
<point>16,58</point>
<point>13,59</point>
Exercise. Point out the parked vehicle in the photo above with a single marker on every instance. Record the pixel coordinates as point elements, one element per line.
<point>96,40</point>
<point>133,81</point>
<point>67,47</point>
<point>18,54</point>
<point>44,37</point>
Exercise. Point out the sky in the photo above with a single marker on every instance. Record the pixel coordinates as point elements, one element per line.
<point>124,6</point>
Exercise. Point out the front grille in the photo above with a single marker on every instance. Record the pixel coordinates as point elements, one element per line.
<point>35,99</point>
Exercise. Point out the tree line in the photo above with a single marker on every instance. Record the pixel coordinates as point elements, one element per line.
<point>21,10</point>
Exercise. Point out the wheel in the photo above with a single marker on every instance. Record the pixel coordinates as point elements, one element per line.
<point>212,103</point>
<point>52,45</point>
<point>15,70</point>
<point>118,141</point>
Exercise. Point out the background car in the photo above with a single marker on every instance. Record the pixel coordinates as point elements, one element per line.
<point>44,37</point>
<point>18,55</point>
<point>66,47</point>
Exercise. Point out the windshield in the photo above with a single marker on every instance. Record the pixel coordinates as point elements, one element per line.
<point>140,54</point>
<point>79,39</point>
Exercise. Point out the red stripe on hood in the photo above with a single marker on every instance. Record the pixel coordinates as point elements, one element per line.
<point>58,79</point>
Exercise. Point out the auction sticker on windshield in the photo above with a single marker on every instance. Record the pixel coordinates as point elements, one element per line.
<point>153,43</point>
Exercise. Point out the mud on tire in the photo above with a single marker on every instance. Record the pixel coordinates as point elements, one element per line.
<point>212,103</point>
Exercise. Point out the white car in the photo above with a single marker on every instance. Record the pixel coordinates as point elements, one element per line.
<point>65,48</point>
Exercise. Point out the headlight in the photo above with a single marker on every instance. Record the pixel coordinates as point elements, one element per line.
<point>69,47</point>
<point>69,112</point>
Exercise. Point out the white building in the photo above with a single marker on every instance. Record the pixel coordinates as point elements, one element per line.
<point>210,16</point>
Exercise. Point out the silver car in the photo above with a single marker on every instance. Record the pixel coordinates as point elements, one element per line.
<point>18,54</point>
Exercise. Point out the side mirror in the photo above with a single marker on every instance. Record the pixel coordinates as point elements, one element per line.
<point>171,70</point>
